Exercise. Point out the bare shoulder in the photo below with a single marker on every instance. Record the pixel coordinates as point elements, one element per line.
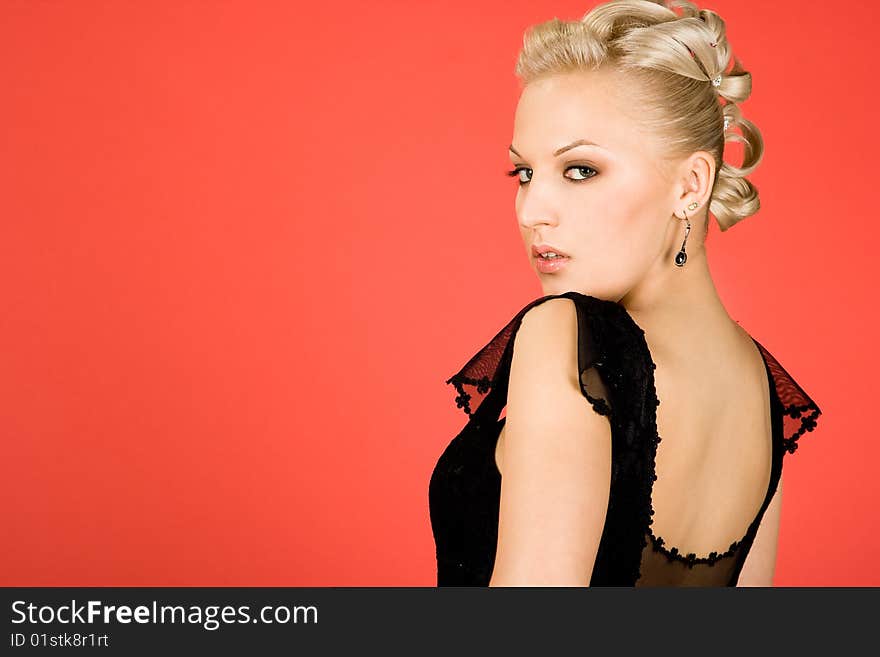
<point>552,314</point>
<point>546,343</point>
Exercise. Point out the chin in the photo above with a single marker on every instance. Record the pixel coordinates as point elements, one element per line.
<point>554,287</point>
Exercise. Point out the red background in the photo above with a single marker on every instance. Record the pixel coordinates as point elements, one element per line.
<point>238,264</point>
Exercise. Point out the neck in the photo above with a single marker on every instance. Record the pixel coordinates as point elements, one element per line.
<point>678,307</point>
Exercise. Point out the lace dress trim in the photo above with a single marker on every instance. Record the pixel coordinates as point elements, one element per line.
<point>796,404</point>
<point>463,399</point>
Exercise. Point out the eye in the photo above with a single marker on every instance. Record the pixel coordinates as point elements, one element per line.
<point>583,170</point>
<point>517,171</point>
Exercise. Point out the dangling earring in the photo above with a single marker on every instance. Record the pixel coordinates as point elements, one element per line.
<point>681,257</point>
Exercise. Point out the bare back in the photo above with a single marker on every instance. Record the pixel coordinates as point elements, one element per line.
<point>713,463</point>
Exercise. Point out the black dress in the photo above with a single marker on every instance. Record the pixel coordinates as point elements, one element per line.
<point>617,377</point>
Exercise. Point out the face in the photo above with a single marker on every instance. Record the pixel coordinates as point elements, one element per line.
<point>608,205</point>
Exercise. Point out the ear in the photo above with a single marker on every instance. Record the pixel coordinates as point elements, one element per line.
<point>696,176</point>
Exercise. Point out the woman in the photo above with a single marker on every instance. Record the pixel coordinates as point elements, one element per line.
<point>617,146</point>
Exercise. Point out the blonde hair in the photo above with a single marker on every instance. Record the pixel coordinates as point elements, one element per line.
<point>651,45</point>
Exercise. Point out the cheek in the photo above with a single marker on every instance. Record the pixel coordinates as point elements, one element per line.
<point>621,248</point>
<point>637,227</point>
<point>612,233</point>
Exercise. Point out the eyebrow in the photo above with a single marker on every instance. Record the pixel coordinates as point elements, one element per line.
<point>560,151</point>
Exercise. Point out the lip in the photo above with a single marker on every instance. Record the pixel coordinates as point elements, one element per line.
<point>548,266</point>
<point>538,249</point>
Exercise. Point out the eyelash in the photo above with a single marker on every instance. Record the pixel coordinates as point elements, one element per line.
<point>515,172</point>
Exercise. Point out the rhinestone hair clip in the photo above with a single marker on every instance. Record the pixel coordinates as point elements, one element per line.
<point>716,81</point>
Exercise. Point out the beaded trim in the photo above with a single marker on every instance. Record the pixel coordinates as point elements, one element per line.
<point>808,423</point>
<point>787,389</point>
<point>691,559</point>
<point>463,399</point>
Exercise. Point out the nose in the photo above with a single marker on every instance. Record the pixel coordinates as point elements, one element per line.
<point>537,206</point>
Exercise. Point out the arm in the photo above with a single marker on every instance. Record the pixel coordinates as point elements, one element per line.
<point>557,459</point>
<point>761,560</point>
